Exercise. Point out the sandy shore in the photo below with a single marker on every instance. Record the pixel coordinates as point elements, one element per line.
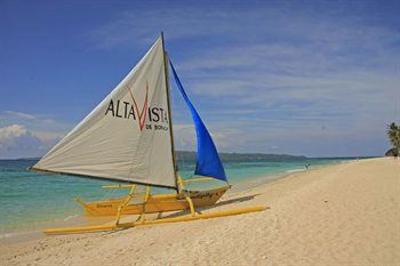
<point>346,214</point>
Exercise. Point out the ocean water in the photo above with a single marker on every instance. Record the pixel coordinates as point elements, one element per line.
<point>28,200</point>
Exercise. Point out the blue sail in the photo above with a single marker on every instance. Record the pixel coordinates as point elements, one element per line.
<point>208,161</point>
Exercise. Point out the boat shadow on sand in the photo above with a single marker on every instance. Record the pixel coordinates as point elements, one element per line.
<point>199,210</point>
<point>219,204</point>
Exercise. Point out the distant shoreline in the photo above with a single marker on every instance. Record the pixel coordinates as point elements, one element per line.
<point>237,156</point>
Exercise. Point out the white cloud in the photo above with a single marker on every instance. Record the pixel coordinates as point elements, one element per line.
<point>143,25</point>
<point>17,141</point>
<point>265,75</point>
<point>43,126</point>
<point>20,115</point>
<point>12,131</point>
<point>268,75</point>
<point>28,135</point>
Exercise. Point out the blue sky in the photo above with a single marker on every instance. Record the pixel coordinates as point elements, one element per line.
<point>319,78</point>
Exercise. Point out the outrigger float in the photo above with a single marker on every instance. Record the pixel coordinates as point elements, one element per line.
<point>128,138</point>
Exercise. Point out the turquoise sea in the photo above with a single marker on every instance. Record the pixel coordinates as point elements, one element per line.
<point>29,200</point>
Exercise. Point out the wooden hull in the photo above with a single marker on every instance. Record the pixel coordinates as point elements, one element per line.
<point>155,204</point>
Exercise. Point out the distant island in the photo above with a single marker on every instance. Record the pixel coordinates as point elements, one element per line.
<point>238,157</point>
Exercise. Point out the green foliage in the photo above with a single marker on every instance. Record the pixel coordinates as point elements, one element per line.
<point>393,133</point>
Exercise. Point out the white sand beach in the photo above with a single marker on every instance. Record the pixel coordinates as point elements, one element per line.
<point>346,214</point>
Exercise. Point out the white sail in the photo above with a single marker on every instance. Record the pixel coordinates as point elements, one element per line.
<point>127,136</point>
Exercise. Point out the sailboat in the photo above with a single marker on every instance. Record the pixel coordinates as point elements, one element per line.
<point>128,138</point>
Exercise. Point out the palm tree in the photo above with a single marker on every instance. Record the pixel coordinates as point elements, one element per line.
<point>394,136</point>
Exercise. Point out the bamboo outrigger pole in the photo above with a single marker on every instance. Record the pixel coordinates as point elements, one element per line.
<point>120,226</point>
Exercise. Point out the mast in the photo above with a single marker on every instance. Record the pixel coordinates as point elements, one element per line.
<point>171,131</point>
